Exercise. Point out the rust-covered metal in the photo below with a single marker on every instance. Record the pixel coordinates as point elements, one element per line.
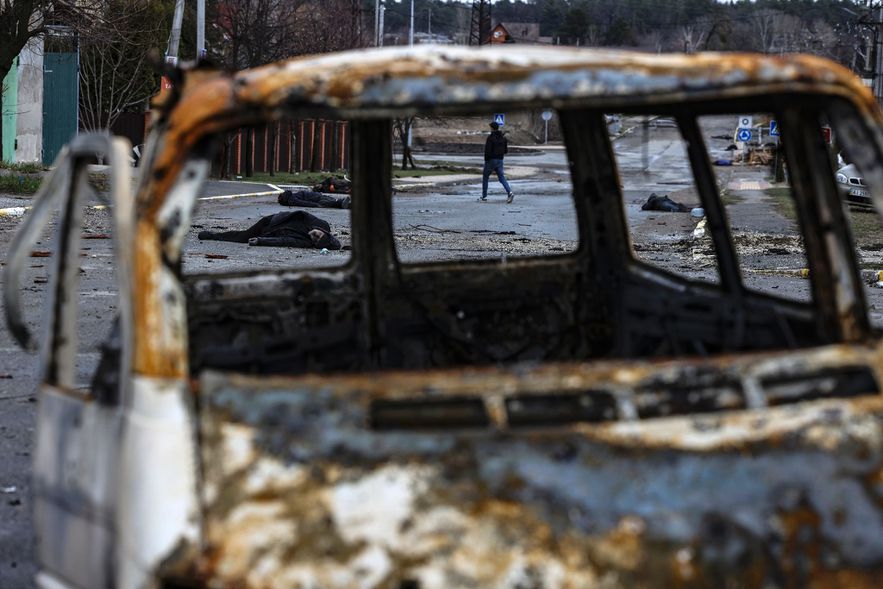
<point>303,487</point>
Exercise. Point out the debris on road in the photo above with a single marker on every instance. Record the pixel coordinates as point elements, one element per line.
<point>40,254</point>
<point>663,203</point>
<point>216,256</point>
<point>95,236</point>
<point>9,490</point>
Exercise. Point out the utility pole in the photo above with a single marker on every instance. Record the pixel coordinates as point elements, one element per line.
<point>175,36</point>
<point>480,28</point>
<point>380,25</point>
<point>429,24</point>
<point>200,30</point>
<point>411,27</point>
<point>376,22</point>
<point>165,83</point>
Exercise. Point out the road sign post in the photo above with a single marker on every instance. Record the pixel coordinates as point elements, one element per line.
<point>547,115</point>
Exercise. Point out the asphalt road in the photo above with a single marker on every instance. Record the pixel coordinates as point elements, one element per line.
<point>440,219</point>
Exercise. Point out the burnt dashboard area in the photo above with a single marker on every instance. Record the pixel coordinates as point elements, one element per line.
<point>438,317</point>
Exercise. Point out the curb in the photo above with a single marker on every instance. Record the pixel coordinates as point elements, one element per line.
<point>14,211</point>
<point>20,211</point>
<point>872,277</point>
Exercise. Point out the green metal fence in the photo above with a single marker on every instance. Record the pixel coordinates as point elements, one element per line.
<point>60,93</point>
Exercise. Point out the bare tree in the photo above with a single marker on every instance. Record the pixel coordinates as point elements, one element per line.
<point>594,36</point>
<point>257,32</point>
<point>254,32</point>
<point>766,24</point>
<point>115,73</point>
<point>402,128</point>
<point>693,37</point>
<point>653,41</point>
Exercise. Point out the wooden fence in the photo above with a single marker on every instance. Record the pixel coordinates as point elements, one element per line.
<point>286,146</point>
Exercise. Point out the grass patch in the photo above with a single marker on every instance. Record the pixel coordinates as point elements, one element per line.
<point>305,178</point>
<point>433,171</point>
<point>313,178</point>
<point>19,184</point>
<point>99,181</point>
<point>26,168</point>
<point>783,202</point>
<point>866,228</point>
<point>731,199</point>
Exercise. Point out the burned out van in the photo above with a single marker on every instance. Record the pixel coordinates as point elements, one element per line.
<point>582,419</point>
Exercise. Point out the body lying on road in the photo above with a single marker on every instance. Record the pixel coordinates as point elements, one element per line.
<point>294,229</point>
<point>308,198</point>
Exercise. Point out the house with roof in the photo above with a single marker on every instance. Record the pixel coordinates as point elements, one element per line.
<point>516,32</point>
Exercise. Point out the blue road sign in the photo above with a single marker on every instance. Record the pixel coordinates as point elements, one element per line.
<point>500,119</point>
<point>744,135</point>
<point>774,128</point>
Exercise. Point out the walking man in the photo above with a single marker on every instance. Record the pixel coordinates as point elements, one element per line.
<point>495,148</point>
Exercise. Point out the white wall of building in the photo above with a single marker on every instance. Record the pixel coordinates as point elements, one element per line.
<point>29,123</point>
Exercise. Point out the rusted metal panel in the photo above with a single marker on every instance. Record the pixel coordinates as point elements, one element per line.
<point>305,487</point>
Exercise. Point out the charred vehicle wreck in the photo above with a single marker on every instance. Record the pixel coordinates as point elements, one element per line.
<point>582,420</point>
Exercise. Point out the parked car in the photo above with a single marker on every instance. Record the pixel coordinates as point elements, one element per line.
<point>582,420</point>
<point>850,180</point>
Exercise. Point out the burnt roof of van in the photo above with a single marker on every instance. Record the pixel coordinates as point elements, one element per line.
<point>446,76</point>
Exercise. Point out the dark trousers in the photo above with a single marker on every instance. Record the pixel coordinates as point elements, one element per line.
<point>491,166</point>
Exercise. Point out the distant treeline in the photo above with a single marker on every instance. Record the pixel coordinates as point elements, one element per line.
<point>833,28</point>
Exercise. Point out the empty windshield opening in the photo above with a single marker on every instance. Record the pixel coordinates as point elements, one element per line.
<point>490,186</point>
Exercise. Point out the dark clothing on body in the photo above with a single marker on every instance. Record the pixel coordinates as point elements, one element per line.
<point>496,146</point>
<point>663,203</point>
<point>281,230</point>
<point>339,185</point>
<point>306,198</point>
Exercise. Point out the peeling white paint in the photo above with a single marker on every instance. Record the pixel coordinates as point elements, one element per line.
<point>373,509</point>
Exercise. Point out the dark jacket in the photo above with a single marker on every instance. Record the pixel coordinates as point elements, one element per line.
<point>306,198</point>
<point>496,146</point>
<point>281,230</point>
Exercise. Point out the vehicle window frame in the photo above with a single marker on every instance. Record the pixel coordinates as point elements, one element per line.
<point>701,168</point>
